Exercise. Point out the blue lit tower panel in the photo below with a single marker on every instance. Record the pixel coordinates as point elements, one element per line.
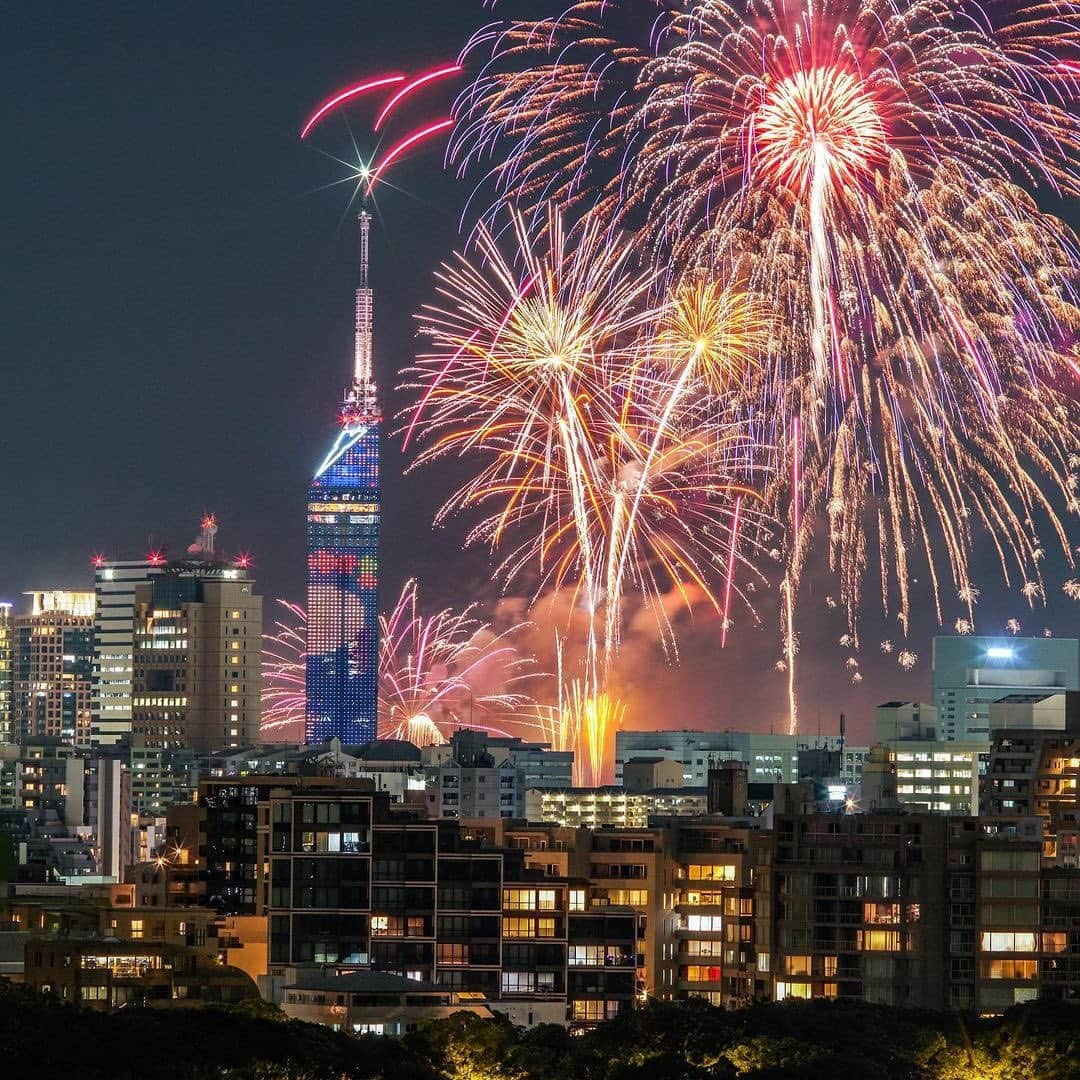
<point>343,555</point>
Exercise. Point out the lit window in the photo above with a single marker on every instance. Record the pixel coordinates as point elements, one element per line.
<point>701,973</point>
<point>1009,969</point>
<point>881,914</point>
<point>796,965</point>
<point>792,989</point>
<point>879,940</point>
<point>1008,942</point>
<point>710,873</point>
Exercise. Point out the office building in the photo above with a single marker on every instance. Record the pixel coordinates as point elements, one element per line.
<point>1040,712</point>
<point>970,673</point>
<point>7,726</point>
<point>343,552</point>
<point>198,655</point>
<point>768,758</point>
<point>896,720</point>
<point>114,637</point>
<point>52,658</point>
<point>936,777</point>
<point>476,775</point>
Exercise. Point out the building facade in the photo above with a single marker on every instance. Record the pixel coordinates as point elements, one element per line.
<point>343,514</point>
<point>7,727</point>
<point>114,645</point>
<point>348,884</point>
<point>768,758</point>
<point>477,775</point>
<point>972,672</point>
<point>52,658</point>
<point>198,656</point>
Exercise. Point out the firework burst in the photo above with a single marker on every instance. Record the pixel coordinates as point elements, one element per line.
<point>435,672</point>
<point>865,169</point>
<point>594,413</point>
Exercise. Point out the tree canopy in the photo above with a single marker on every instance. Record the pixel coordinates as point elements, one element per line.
<point>800,1040</point>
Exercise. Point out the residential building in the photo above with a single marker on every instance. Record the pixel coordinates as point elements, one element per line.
<point>910,910</point>
<point>115,581</point>
<point>161,776</point>
<point>198,655</point>
<point>109,975</point>
<point>343,513</point>
<point>348,883</point>
<point>1033,776</point>
<point>51,666</point>
<point>769,758</point>
<point>970,673</point>
<point>477,775</point>
<point>372,1002</point>
<point>612,806</point>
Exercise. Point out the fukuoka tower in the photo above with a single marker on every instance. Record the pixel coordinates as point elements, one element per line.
<point>343,551</point>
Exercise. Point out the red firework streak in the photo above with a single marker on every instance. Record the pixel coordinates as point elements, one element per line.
<point>404,88</point>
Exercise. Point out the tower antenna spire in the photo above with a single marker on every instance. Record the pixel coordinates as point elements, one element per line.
<point>363,375</point>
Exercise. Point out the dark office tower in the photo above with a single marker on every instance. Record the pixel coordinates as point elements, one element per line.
<point>52,656</point>
<point>343,553</point>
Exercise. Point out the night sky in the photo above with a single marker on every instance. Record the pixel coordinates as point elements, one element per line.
<point>177,289</point>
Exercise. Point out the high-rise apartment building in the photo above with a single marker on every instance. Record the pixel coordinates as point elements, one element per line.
<point>52,657</point>
<point>114,637</point>
<point>7,733</point>
<point>198,644</point>
<point>348,883</point>
<point>343,552</point>
<point>972,672</point>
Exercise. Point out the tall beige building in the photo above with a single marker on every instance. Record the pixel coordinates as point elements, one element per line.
<point>197,653</point>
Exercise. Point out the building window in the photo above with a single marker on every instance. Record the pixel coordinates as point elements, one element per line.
<point>701,973</point>
<point>136,928</point>
<point>797,965</point>
<point>577,899</point>
<point>710,873</point>
<point>792,990</point>
<point>515,926</point>
<point>1009,969</point>
<point>519,899</point>
<point>594,1011</point>
<point>877,914</point>
<point>879,940</point>
<point>1008,942</point>
<point>518,982</point>
<point>453,954</point>
<point>708,924</point>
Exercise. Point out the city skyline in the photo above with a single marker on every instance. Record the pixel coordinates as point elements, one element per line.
<point>265,316</point>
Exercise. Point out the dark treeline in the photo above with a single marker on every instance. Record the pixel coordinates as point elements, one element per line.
<point>684,1041</point>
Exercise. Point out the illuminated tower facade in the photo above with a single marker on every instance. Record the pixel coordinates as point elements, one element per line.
<point>343,553</point>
